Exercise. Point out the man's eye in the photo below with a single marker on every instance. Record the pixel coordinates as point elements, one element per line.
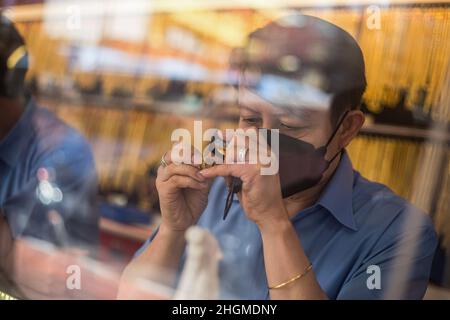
<point>289,127</point>
<point>251,120</point>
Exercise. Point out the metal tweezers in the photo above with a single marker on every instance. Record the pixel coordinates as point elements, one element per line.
<point>235,187</point>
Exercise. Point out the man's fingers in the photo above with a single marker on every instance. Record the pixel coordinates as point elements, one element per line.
<point>182,153</point>
<point>166,173</point>
<point>187,182</point>
<point>225,170</point>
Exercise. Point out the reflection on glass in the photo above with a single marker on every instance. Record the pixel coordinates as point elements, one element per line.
<point>47,172</point>
<point>91,92</point>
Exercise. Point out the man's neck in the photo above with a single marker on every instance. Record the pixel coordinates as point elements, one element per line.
<point>11,110</point>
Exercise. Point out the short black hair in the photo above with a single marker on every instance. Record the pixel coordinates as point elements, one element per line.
<point>320,48</point>
<point>13,60</point>
<point>347,100</point>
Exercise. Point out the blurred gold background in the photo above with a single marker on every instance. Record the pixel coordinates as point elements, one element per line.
<point>111,72</point>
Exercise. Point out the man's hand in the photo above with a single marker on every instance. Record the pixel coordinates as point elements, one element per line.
<point>260,196</point>
<point>183,195</point>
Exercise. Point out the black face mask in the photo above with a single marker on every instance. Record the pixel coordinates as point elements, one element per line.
<point>301,165</point>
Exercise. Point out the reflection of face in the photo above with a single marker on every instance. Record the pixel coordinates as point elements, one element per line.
<point>310,125</point>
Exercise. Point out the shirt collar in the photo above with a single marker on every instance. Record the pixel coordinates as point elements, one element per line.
<point>337,197</point>
<point>14,143</point>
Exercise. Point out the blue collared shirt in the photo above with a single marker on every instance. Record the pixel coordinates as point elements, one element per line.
<point>363,241</point>
<point>46,167</point>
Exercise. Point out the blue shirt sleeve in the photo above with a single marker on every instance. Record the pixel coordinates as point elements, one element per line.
<point>182,259</point>
<point>146,243</point>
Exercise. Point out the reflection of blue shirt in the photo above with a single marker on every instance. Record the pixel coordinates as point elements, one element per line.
<point>354,224</point>
<point>47,173</point>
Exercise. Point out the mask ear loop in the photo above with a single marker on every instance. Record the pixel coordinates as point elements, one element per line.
<point>333,135</point>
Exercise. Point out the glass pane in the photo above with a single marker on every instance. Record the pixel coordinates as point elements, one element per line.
<point>308,142</point>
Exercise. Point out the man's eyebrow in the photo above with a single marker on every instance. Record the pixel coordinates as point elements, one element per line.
<point>302,113</point>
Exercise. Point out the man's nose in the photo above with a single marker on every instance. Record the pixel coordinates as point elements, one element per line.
<point>270,122</point>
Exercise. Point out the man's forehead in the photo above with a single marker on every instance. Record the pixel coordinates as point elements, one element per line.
<point>284,91</point>
<point>253,102</point>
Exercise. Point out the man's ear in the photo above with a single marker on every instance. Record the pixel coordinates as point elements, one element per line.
<point>350,127</point>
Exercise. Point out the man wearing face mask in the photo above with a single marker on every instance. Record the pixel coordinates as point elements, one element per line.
<point>317,229</point>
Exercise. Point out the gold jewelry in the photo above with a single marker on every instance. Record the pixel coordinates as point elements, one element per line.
<point>163,160</point>
<point>304,273</point>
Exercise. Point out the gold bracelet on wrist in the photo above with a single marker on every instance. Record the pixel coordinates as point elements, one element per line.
<point>304,273</point>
